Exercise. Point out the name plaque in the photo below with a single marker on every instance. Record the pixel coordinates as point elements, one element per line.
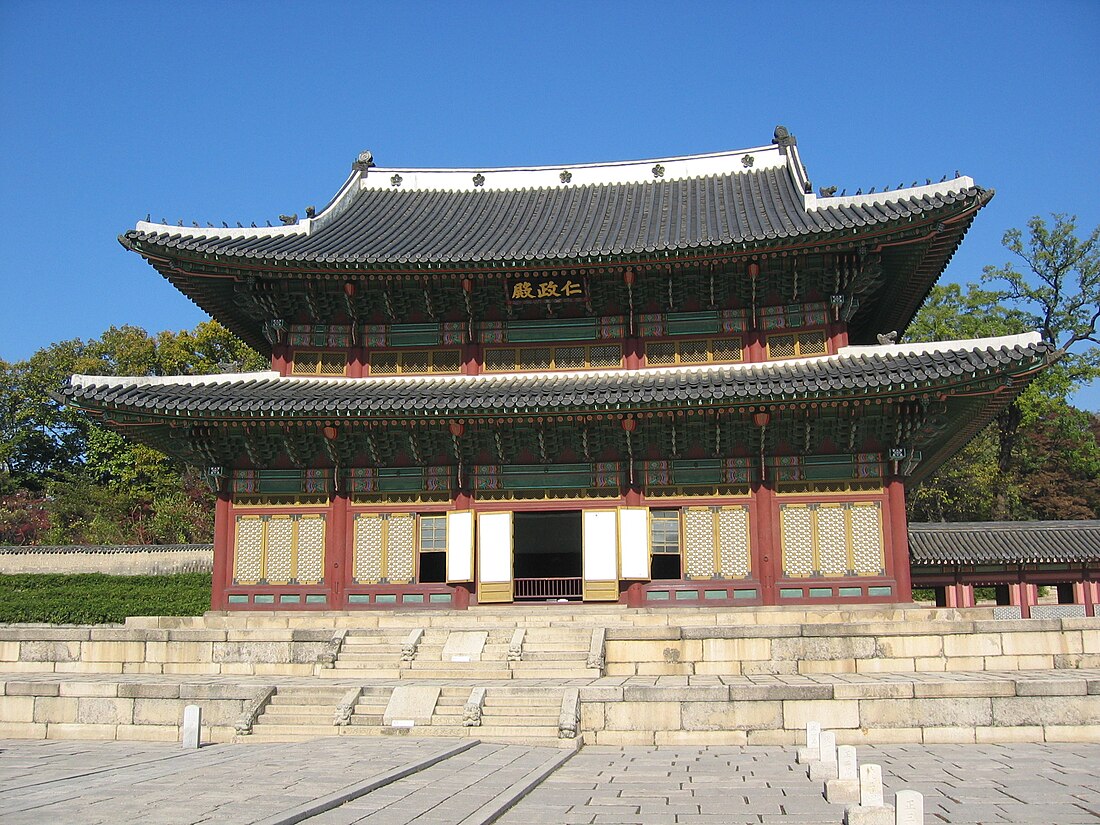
<point>545,288</point>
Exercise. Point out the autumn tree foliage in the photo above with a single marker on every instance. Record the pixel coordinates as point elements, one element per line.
<point>66,480</point>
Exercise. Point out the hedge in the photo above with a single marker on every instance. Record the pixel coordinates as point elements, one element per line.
<point>95,598</point>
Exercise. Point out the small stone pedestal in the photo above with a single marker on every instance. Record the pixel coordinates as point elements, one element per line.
<point>844,790</point>
<point>877,815</point>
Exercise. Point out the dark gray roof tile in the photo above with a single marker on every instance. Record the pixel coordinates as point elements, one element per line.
<point>1004,542</point>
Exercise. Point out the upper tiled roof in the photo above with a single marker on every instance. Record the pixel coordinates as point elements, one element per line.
<point>854,371</point>
<point>393,217</point>
<point>1005,542</point>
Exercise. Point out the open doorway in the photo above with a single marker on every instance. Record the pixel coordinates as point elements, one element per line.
<point>547,552</point>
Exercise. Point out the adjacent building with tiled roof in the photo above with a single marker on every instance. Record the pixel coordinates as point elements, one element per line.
<point>671,380</point>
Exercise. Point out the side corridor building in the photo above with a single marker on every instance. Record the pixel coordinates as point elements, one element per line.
<point>656,382</point>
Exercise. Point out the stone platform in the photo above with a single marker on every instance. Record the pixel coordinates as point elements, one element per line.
<point>554,674</point>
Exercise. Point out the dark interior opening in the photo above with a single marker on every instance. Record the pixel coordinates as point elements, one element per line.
<point>433,568</point>
<point>665,566</point>
<point>1065,593</point>
<point>1002,594</point>
<point>941,596</point>
<point>546,545</point>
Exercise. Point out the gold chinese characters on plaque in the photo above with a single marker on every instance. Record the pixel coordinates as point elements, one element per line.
<point>545,288</point>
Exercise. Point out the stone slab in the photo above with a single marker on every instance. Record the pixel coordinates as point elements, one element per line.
<point>411,703</point>
<point>464,646</point>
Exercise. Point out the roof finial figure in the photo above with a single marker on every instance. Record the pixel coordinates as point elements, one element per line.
<point>783,138</point>
<point>365,161</point>
<point>888,338</point>
<point>827,191</point>
<point>311,211</point>
<point>289,220</point>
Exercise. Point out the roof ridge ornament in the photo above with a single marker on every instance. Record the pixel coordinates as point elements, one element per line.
<point>364,162</point>
<point>783,138</point>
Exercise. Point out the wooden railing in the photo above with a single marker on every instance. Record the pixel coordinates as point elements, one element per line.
<point>562,588</point>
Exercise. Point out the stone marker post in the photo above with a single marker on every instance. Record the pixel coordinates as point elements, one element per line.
<point>810,752</point>
<point>871,810</point>
<point>910,808</point>
<point>870,786</point>
<point>844,789</point>
<point>824,768</point>
<point>192,726</point>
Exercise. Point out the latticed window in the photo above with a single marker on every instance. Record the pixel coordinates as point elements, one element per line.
<point>319,362</point>
<point>797,344</point>
<point>572,357</point>
<point>664,531</point>
<point>842,539</point>
<point>279,549</point>
<point>433,534</point>
<point>693,351</point>
<point>416,362</point>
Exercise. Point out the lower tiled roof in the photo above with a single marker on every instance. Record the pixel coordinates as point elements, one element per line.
<point>853,373</point>
<point>1005,542</point>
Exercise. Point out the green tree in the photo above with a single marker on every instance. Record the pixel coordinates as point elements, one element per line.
<point>63,478</point>
<point>1059,296</point>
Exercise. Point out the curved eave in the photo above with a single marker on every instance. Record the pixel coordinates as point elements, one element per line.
<point>832,379</point>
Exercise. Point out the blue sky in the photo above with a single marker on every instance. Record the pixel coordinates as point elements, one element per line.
<point>242,111</point>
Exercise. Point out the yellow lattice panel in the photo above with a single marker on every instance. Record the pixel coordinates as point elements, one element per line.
<point>727,349</point>
<point>569,358</point>
<point>796,523</point>
<point>368,547</point>
<point>279,551</point>
<point>695,352</point>
<point>606,356</point>
<point>400,548</point>
<point>811,343</point>
<point>535,358</point>
<point>781,346</point>
<point>832,541</point>
<point>660,354</point>
<point>248,550</point>
<point>385,363</point>
<point>311,549</point>
<point>447,361</point>
<point>497,360</point>
<point>699,542</point>
<point>867,550</point>
<point>733,542</point>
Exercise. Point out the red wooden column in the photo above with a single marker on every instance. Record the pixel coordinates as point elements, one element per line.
<point>223,552</point>
<point>899,534</point>
<point>768,553</point>
<point>337,552</point>
<point>1024,596</point>
<point>1084,592</point>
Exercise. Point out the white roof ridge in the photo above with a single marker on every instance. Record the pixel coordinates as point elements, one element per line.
<point>1025,339</point>
<point>1000,342</point>
<point>814,202</point>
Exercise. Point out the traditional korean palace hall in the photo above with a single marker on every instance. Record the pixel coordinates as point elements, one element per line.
<point>665,382</point>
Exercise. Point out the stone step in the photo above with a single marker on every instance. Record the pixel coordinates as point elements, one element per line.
<point>523,699</point>
<point>367,719</point>
<point>448,672</point>
<point>525,732</point>
<point>300,710</point>
<point>554,656</point>
<point>296,719</point>
<point>563,673</point>
<point>530,711</point>
<point>349,670</point>
<point>260,731</point>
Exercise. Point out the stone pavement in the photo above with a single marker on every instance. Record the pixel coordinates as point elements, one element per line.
<point>397,780</point>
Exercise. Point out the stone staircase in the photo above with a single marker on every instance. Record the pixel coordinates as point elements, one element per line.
<point>459,654</point>
<point>554,653</point>
<point>298,713</point>
<point>371,654</point>
<point>529,716</point>
<point>366,716</point>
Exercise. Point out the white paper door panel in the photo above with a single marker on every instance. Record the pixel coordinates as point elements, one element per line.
<point>600,546</point>
<point>634,543</point>
<point>460,546</point>
<point>494,544</point>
